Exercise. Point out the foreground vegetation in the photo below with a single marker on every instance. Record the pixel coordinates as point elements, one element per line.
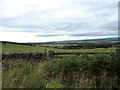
<point>96,71</point>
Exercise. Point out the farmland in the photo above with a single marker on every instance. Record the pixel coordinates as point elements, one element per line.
<point>78,71</point>
<point>23,48</point>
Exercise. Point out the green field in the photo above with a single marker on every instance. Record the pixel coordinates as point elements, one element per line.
<point>7,48</point>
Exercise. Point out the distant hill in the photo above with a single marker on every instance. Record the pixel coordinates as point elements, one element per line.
<point>8,42</point>
<point>101,40</point>
<point>90,40</point>
<point>114,38</point>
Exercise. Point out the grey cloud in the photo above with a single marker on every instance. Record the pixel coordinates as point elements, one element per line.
<point>80,34</point>
<point>94,34</point>
<point>50,35</point>
<point>109,26</point>
<point>33,21</point>
<point>46,35</point>
<point>10,23</point>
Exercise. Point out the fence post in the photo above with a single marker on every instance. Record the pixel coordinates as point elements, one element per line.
<point>117,53</point>
<point>51,55</point>
<point>45,54</point>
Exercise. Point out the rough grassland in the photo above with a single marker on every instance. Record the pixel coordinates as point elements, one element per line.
<point>77,72</point>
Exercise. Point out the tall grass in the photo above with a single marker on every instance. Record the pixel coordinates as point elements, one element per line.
<point>98,71</point>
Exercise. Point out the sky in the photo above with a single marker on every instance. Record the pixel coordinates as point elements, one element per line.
<point>57,20</point>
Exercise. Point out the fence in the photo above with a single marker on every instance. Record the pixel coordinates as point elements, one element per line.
<point>48,55</point>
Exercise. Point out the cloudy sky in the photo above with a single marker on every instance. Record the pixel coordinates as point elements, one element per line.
<point>57,20</point>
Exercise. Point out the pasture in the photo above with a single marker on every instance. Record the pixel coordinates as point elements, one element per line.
<point>7,48</point>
